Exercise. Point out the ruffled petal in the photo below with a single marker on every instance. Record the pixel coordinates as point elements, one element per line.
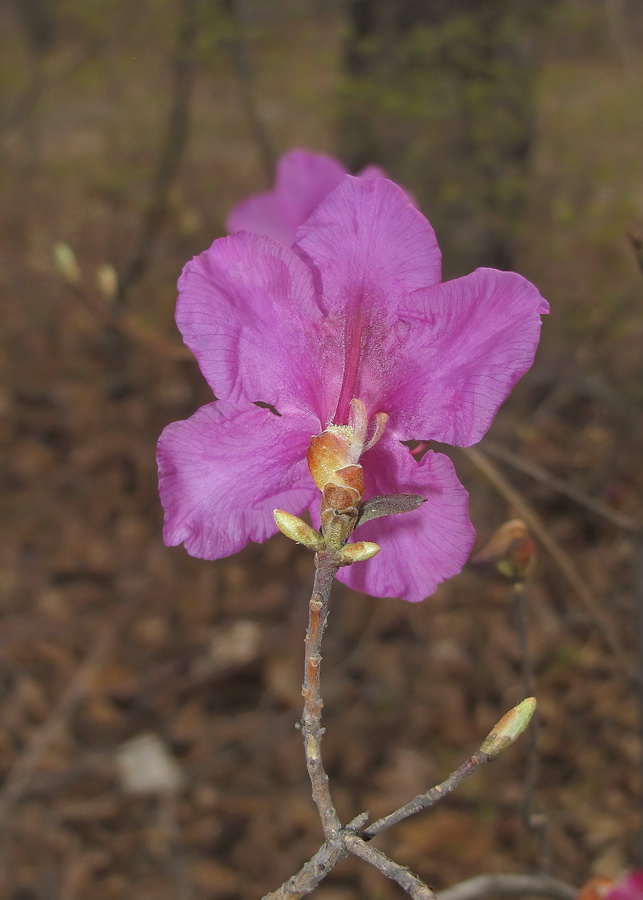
<point>369,247</point>
<point>467,343</point>
<point>419,549</point>
<point>248,312</point>
<point>303,179</point>
<point>224,470</point>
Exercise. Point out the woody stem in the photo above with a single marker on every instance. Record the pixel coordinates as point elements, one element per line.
<point>325,571</point>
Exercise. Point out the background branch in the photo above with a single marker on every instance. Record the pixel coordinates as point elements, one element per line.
<point>172,147</point>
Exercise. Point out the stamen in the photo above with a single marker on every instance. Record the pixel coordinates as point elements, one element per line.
<point>381,419</point>
<point>358,421</point>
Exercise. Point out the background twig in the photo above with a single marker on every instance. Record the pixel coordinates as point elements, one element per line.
<point>509,886</point>
<point>172,147</point>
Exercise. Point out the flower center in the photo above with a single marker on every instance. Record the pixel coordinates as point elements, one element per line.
<point>352,356</point>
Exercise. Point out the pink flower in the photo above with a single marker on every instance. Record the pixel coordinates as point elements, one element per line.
<point>629,887</point>
<point>353,311</point>
<point>303,180</point>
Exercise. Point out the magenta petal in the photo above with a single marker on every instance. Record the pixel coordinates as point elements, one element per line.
<point>247,310</point>
<point>419,549</point>
<point>468,342</point>
<point>629,887</point>
<point>370,247</point>
<point>224,470</point>
<point>303,179</point>
<point>371,172</point>
<point>370,244</point>
<point>262,214</point>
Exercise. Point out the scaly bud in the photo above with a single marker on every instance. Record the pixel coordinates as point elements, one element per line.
<point>510,727</point>
<point>298,530</point>
<point>596,888</point>
<point>333,459</point>
<point>360,551</point>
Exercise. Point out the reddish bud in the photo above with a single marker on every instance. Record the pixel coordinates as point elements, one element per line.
<point>511,550</point>
<point>595,889</point>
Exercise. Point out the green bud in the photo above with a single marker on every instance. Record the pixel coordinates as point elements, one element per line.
<point>360,551</point>
<point>298,531</point>
<point>67,264</point>
<point>510,727</point>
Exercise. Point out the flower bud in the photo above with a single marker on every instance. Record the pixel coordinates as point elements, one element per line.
<point>360,551</point>
<point>298,530</point>
<point>107,280</point>
<point>67,264</point>
<point>511,550</point>
<point>510,727</point>
<point>596,888</point>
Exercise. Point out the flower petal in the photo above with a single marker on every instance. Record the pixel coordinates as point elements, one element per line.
<point>629,887</point>
<point>223,471</point>
<point>247,310</point>
<point>303,179</point>
<point>370,247</point>
<point>261,214</point>
<point>467,343</point>
<point>419,549</point>
<point>367,236</point>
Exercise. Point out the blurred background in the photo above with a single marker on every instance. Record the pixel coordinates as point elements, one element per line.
<point>149,700</point>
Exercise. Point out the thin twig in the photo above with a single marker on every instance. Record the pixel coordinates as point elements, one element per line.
<point>325,570</point>
<point>429,798</point>
<point>310,875</point>
<point>637,589</point>
<point>559,484</point>
<point>509,886</point>
<point>21,772</point>
<point>172,147</point>
<point>567,568</point>
<point>403,876</point>
<point>535,823</point>
<point>243,70</point>
<point>129,325</point>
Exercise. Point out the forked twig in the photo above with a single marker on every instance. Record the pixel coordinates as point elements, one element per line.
<point>355,838</point>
